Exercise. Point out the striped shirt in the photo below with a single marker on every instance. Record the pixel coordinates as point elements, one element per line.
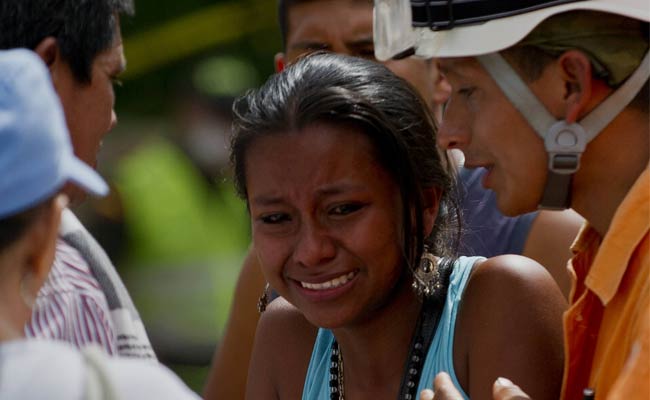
<point>71,305</point>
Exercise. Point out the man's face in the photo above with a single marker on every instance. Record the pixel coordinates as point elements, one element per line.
<point>88,107</point>
<point>345,27</point>
<point>480,121</point>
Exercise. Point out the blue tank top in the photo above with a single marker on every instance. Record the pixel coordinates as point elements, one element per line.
<point>440,357</point>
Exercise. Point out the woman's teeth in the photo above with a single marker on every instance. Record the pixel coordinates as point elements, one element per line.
<point>334,283</point>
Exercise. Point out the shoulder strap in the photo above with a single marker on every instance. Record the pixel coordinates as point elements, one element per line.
<point>420,343</point>
<point>130,335</point>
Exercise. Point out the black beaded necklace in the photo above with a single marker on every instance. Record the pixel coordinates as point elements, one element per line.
<point>422,337</point>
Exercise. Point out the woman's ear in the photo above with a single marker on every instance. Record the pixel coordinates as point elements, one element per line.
<point>42,237</point>
<point>430,206</point>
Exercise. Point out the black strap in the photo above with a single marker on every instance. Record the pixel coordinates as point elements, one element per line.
<point>557,192</point>
<point>445,14</point>
<point>420,343</point>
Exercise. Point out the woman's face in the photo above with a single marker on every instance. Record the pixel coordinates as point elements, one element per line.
<point>326,222</point>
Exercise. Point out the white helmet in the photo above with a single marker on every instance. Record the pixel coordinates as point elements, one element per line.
<point>482,28</point>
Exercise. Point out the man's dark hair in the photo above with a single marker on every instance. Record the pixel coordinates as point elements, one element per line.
<point>82,28</point>
<point>530,60</point>
<point>363,95</point>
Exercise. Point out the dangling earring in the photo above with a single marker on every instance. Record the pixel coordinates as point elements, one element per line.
<point>426,277</point>
<point>263,300</point>
<point>28,298</point>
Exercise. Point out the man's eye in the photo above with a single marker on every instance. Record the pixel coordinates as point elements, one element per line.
<point>274,218</point>
<point>467,92</point>
<point>345,209</point>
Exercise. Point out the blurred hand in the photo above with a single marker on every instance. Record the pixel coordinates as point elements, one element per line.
<point>444,389</point>
<point>503,389</point>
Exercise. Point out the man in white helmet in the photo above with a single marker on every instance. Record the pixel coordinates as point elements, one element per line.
<point>551,97</point>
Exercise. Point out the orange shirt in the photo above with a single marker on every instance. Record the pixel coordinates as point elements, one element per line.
<point>607,327</point>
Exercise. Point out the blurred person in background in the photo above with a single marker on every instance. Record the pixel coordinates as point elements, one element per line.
<point>39,168</point>
<point>83,301</point>
<point>181,256</point>
<point>345,26</point>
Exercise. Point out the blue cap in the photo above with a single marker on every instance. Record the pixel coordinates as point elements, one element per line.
<point>36,156</point>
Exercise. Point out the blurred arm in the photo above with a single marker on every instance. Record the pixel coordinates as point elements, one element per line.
<point>227,377</point>
<point>549,241</point>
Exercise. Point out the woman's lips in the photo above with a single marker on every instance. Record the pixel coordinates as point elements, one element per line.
<point>331,284</point>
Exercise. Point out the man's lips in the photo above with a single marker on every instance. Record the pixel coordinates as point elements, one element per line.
<point>486,177</point>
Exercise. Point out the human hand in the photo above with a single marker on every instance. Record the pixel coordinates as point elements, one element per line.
<point>444,389</point>
<point>503,389</point>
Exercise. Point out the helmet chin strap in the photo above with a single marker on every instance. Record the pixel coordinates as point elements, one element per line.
<point>564,142</point>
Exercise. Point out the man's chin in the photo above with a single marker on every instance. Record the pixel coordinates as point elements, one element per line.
<point>511,206</point>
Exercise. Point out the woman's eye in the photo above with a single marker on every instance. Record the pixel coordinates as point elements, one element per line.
<point>274,218</point>
<point>345,209</point>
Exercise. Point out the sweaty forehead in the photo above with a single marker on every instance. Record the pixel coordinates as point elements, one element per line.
<point>325,20</point>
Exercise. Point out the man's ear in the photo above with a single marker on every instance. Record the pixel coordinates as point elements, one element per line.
<point>582,92</point>
<point>42,237</point>
<point>48,50</point>
<point>279,62</point>
<point>430,206</point>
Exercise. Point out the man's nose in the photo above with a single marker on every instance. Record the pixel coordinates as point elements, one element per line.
<point>453,132</point>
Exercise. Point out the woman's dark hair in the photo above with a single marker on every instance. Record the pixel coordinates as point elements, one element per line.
<point>342,90</point>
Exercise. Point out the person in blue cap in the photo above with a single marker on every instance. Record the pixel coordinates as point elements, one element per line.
<point>83,301</point>
<point>37,162</point>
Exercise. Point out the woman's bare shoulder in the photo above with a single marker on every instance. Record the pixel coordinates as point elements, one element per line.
<point>283,346</point>
<point>282,321</point>
<point>509,286</point>
<point>509,269</point>
<point>511,314</point>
